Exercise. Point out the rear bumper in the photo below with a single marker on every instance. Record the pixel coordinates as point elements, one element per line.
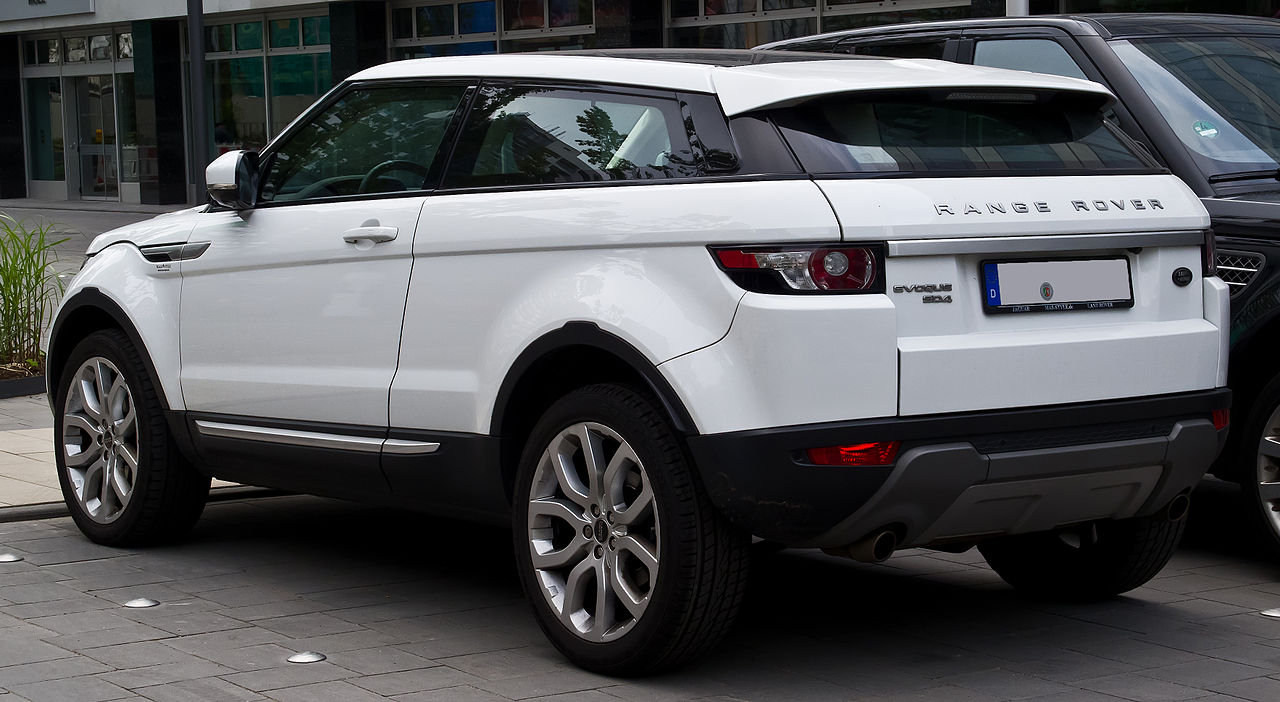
<point>965,476</point>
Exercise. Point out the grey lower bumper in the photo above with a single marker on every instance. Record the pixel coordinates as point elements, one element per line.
<point>951,492</point>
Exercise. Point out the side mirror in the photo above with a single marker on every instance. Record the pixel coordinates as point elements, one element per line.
<point>233,179</point>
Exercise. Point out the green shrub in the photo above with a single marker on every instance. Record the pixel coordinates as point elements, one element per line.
<point>29,292</point>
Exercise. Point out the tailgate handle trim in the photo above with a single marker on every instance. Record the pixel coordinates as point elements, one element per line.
<point>1032,244</point>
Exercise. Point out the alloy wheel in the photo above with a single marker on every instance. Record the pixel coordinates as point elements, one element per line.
<point>1268,471</point>
<point>593,531</point>
<point>100,439</point>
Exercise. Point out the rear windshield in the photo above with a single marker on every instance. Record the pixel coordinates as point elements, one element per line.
<point>958,132</point>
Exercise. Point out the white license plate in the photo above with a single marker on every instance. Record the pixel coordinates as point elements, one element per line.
<point>1053,286</point>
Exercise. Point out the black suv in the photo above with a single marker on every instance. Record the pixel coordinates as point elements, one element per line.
<point>1202,93</point>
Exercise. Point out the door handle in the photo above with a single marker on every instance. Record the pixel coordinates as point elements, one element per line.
<point>374,235</point>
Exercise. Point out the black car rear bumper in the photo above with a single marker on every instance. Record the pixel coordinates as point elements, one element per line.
<point>966,476</point>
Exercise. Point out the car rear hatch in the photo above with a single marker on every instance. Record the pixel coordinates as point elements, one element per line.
<point>1034,257</point>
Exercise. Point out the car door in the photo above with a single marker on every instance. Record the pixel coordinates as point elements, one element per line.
<point>290,320</point>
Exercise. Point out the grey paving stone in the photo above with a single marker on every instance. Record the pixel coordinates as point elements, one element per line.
<point>186,623</point>
<point>346,641</point>
<point>1135,652</point>
<point>1006,684</point>
<point>84,603</point>
<point>136,655</point>
<point>1258,654</point>
<point>49,670</point>
<point>248,658</point>
<point>584,696</point>
<point>1262,689</point>
<point>391,684</point>
<point>164,673</point>
<point>81,622</point>
<point>81,689</point>
<point>512,663</point>
<point>16,650</point>
<point>128,633</point>
<point>337,691</point>
<point>462,693</point>
<point>303,626</point>
<point>383,659</point>
<point>269,610</point>
<point>204,690</point>
<point>201,644</point>
<point>1141,689</point>
<point>290,675</point>
<point>543,684</point>
<point>1206,673</point>
<point>38,592</point>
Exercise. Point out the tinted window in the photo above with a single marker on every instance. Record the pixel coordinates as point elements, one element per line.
<point>1218,95</point>
<point>528,136</point>
<point>955,132</point>
<point>917,49</point>
<point>375,140</point>
<point>1038,55</point>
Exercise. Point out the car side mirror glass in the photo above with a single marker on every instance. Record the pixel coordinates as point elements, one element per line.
<point>233,179</point>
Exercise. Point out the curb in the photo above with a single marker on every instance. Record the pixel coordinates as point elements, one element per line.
<point>21,387</point>
<point>54,510</point>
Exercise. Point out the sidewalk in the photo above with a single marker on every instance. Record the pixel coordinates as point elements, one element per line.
<point>27,471</point>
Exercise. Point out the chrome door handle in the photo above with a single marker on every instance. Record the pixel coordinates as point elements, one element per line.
<point>375,235</point>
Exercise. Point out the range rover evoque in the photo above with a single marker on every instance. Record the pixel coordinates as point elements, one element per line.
<point>643,306</point>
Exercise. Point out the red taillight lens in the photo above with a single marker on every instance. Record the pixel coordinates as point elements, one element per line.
<point>805,268</point>
<point>876,453</point>
<point>1221,418</point>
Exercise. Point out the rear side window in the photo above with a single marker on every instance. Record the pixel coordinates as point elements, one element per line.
<point>957,132</point>
<point>1037,55</point>
<point>530,136</point>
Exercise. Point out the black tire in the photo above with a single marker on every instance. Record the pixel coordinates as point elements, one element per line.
<point>1254,467</point>
<point>167,494</point>
<point>1086,563</point>
<point>701,559</point>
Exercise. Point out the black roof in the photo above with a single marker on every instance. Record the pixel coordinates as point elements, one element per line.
<point>1107,25</point>
<point>712,57</point>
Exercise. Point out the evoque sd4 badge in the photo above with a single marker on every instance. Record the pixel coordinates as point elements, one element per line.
<point>931,291</point>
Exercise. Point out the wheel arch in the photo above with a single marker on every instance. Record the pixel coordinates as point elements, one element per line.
<point>85,312</point>
<point>1250,368</point>
<point>575,355</point>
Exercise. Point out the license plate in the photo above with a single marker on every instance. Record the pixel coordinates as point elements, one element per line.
<point>1056,286</point>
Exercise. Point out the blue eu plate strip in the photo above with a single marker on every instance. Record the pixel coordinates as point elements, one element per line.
<point>992,275</point>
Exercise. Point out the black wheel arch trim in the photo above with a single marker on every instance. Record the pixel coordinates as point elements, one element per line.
<point>92,297</point>
<point>590,335</point>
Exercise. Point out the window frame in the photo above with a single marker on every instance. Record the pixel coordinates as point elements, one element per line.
<point>434,170</point>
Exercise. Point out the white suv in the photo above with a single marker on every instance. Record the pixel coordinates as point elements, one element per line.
<point>644,306</point>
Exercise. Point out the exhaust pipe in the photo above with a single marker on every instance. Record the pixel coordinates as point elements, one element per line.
<point>1178,507</point>
<point>875,548</point>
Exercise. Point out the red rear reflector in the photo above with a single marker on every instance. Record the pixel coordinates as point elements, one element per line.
<point>878,453</point>
<point>735,259</point>
<point>1221,418</point>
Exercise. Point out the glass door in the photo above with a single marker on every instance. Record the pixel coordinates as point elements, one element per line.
<point>95,159</point>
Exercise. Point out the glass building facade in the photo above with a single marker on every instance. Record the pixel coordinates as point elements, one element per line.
<point>106,106</point>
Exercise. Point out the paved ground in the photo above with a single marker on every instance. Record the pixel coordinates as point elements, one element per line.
<point>412,608</point>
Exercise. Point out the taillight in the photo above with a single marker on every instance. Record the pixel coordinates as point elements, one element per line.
<point>876,453</point>
<point>1221,418</point>
<point>1209,254</point>
<point>805,269</point>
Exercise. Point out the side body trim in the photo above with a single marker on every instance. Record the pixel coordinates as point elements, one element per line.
<point>315,439</point>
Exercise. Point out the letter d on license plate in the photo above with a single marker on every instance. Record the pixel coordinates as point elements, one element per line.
<point>1056,286</point>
